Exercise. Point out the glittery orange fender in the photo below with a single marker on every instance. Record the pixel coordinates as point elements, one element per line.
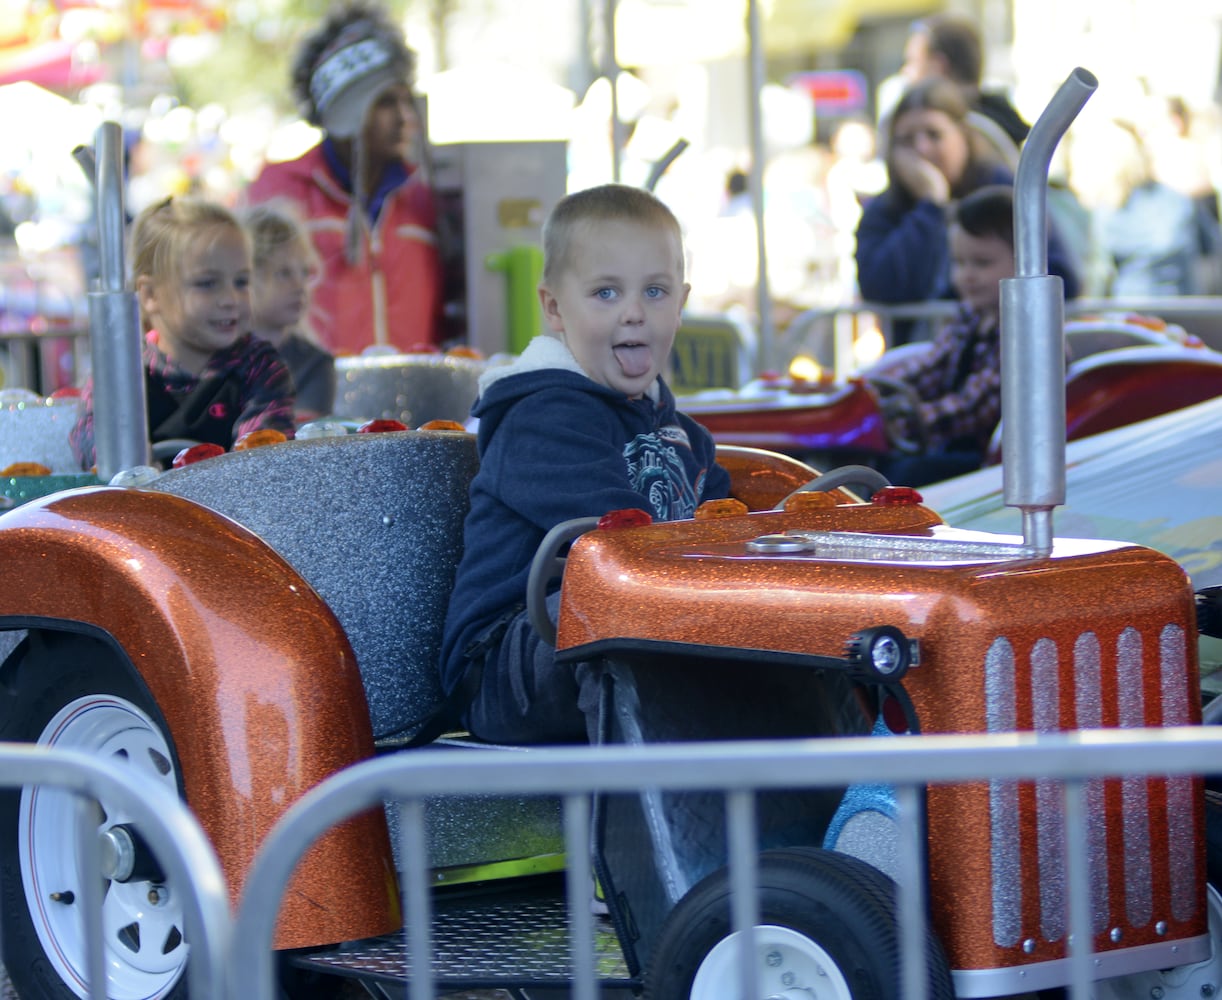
<point>248,666</point>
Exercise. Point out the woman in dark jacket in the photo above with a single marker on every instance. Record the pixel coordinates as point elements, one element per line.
<point>934,157</point>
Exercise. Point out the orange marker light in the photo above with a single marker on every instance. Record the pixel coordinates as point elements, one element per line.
<point>729,507</point>
<point>441,425</point>
<point>257,439</point>
<point>24,469</point>
<point>811,500</point>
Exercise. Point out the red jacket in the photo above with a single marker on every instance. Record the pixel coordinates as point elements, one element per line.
<point>393,295</point>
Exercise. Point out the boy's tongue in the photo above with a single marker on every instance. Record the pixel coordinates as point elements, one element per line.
<point>634,359</point>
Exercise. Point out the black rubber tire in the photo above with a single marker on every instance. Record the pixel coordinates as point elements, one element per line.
<point>46,672</point>
<point>841,903</point>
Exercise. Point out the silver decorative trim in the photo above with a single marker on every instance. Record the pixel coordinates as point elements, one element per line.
<point>1138,879</point>
<point>1049,811</point>
<point>974,983</point>
<point>1088,714</point>
<point>1001,716</point>
<point>1181,842</point>
<point>906,548</point>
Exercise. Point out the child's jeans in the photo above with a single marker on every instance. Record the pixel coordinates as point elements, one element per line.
<point>526,696</point>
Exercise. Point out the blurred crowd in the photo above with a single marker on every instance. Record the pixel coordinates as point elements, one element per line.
<point>1134,195</point>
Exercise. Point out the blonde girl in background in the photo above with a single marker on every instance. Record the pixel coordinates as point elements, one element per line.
<point>285,270</point>
<point>208,378</point>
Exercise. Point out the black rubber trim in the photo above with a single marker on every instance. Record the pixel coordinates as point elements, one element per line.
<point>614,648</point>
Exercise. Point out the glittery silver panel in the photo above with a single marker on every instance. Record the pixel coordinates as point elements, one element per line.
<point>36,430</point>
<point>484,830</point>
<point>1138,884</point>
<point>374,523</point>
<point>1002,716</point>
<point>1088,714</point>
<point>1181,842</point>
<point>412,388</point>
<point>1049,813</point>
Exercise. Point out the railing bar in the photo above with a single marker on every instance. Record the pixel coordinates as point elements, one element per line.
<point>744,885</point>
<point>414,852</point>
<point>579,884</point>
<point>91,894</point>
<point>911,890</point>
<point>1081,948</point>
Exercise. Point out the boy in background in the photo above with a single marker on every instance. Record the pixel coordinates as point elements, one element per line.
<point>957,381</point>
<point>581,424</point>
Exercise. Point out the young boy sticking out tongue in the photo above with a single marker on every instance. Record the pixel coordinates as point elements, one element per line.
<point>581,424</point>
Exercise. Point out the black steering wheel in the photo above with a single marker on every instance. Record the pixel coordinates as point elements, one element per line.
<point>844,475</point>
<point>548,565</point>
<point>901,409</point>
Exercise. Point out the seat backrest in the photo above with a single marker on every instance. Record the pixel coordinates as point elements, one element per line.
<point>373,522</point>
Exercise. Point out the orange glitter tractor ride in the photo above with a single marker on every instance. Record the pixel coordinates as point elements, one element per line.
<point>242,627</point>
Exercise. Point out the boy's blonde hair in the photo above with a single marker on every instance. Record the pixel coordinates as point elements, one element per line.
<point>605,203</point>
<point>162,231</point>
<point>273,226</point>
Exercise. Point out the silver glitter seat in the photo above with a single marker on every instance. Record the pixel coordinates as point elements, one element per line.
<point>373,522</point>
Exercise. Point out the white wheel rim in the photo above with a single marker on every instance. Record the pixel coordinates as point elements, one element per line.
<point>790,966</point>
<point>144,950</point>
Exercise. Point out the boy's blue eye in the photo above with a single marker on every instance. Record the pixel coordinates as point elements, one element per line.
<point>605,293</point>
<point>655,291</point>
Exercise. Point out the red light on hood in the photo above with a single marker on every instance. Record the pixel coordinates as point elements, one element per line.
<point>628,518</point>
<point>196,453</point>
<point>381,426</point>
<point>897,496</point>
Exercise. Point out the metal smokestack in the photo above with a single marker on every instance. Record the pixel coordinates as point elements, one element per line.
<point>1033,332</point>
<point>119,407</point>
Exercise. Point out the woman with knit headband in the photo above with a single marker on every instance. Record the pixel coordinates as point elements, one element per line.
<point>368,210</point>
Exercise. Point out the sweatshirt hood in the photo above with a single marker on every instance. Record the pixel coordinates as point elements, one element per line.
<point>546,362</point>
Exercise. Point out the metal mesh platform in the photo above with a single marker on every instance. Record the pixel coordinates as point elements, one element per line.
<point>511,939</point>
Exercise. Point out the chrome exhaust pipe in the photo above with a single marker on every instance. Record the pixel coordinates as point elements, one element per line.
<point>1033,333</point>
<point>120,410</point>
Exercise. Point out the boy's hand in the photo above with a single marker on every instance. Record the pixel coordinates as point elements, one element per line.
<point>919,177</point>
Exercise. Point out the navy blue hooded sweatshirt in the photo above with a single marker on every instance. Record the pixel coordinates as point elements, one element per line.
<point>555,445</point>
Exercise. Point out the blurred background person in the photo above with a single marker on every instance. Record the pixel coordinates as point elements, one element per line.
<point>956,382</point>
<point>367,207</point>
<point>1178,159</point>
<point>947,46</point>
<point>285,270</point>
<point>934,157</point>
<point>1146,230</point>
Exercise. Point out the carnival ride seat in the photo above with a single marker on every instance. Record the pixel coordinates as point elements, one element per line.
<point>1113,388</point>
<point>373,522</point>
<point>1095,334</point>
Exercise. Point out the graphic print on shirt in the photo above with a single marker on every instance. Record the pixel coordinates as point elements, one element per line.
<point>656,471</point>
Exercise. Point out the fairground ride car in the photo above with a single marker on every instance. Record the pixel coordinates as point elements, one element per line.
<point>240,628</point>
<point>1121,367</point>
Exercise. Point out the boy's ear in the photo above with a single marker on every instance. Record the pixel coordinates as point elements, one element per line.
<point>687,290</point>
<point>551,310</point>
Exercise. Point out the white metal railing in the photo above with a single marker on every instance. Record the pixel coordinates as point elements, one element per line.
<point>739,770</point>
<point>171,832</point>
